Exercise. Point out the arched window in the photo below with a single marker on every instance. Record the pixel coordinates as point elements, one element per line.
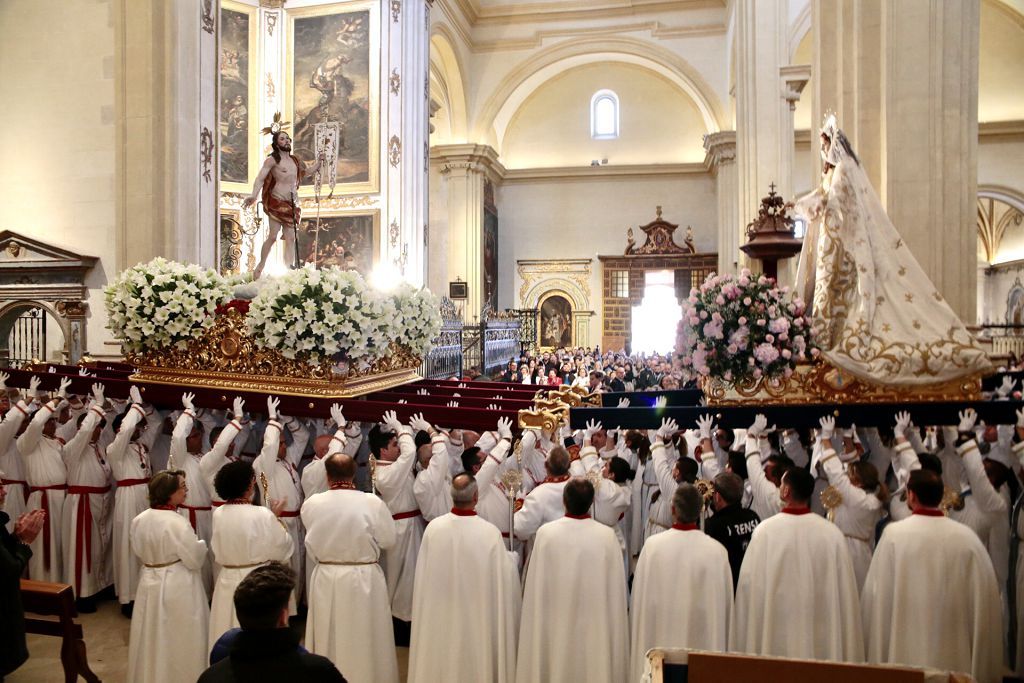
<point>604,115</point>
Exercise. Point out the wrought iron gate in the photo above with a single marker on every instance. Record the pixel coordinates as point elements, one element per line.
<point>27,340</point>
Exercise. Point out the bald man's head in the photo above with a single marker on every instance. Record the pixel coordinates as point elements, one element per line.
<point>464,491</point>
<point>469,438</point>
<point>340,467</point>
<point>321,444</point>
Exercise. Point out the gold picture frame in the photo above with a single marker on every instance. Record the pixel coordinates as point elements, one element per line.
<point>253,148</point>
<point>338,228</point>
<point>321,20</point>
<point>569,321</point>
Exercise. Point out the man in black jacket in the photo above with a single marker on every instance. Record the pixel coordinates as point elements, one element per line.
<point>732,525</point>
<point>266,649</point>
<point>14,554</point>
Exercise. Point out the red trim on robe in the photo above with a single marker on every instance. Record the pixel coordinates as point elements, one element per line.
<point>463,513</point>
<point>929,512</point>
<point>796,510</point>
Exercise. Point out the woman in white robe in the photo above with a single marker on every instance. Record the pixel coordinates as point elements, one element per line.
<point>168,640</point>
<point>874,312</point>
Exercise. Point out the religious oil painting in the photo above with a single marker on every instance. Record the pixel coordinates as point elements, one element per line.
<point>491,259</point>
<point>555,322</point>
<point>334,78</point>
<point>347,241</point>
<point>238,24</point>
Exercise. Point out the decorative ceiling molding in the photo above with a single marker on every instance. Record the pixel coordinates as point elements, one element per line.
<point>584,173</point>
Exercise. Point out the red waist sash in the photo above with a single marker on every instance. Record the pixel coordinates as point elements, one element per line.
<point>83,530</point>
<point>406,515</point>
<point>45,504</point>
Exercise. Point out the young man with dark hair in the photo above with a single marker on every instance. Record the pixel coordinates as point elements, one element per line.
<point>797,593</point>
<point>565,550</point>
<point>266,649</point>
<point>917,559</point>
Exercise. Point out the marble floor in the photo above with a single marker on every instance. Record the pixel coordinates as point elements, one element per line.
<point>106,639</point>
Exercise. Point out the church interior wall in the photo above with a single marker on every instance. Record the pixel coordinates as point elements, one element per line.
<point>58,90</point>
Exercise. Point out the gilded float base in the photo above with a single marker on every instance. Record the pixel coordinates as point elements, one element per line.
<point>819,382</point>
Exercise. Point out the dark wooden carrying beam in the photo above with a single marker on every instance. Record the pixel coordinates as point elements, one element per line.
<point>58,600</point>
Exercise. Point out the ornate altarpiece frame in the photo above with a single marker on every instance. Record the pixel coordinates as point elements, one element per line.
<point>568,278</point>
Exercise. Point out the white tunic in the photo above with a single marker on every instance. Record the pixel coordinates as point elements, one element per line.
<point>682,596</point>
<point>314,476</point>
<point>87,513</point>
<point>765,499</point>
<point>432,486</point>
<point>931,600</point>
<point>283,483</point>
<point>856,516</point>
<point>244,537</point>
<point>395,484</point>
<point>130,468</point>
<point>797,594</point>
<point>197,508</point>
<point>574,630</point>
<point>466,593</point>
<point>493,500</point>
<point>217,457</point>
<point>349,619</point>
<point>10,464</point>
<point>168,633</point>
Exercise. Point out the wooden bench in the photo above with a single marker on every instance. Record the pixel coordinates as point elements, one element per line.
<point>43,599</point>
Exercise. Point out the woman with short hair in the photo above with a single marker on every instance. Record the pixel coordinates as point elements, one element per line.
<point>168,641</point>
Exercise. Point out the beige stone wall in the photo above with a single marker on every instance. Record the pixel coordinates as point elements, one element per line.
<point>58,94</point>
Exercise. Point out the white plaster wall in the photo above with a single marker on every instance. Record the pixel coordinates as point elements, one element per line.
<point>437,233</point>
<point>589,217</point>
<point>57,90</point>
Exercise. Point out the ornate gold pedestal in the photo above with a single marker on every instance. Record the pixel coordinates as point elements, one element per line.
<point>819,382</point>
<point>225,357</point>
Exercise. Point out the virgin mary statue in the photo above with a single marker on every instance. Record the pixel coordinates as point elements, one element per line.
<point>874,313</point>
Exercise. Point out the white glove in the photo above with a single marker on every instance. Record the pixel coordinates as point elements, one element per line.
<point>1006,388</point>
<point>33,387</point>
<point>186,401</point>
<point>338,418</point>
<point>902,423</point>
<point>402,402</point>
<point>390,421</point>
<point>498,397</point>
<point>623,403</point>
<point>661,402</point>
<point>758,428</point>
<point>460,385</point>
<point>418,424</point>
<point>493,406</point>
<point>669,427</point>
<point>967,419</point>
<point>62,390</point>
<point>828,427</point>
<point>505,428</point>
<point>593,427</point>
<point>97,393</point>
<point>237,406</point>
<point>52,370</point>
<point>1020,417</point>
<point>82,372</point>
<point>272,403</point>
<point>706,426</point>
<point>134,395</point>
<point>453,404</point>
<point>422,392</point>
<point>457,395</point>
<point>3,380</point>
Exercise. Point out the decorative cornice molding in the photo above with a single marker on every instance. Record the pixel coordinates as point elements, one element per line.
<point>720,148</point>
<point>470,157</point>
<point>988,131</point>
<point>577,10</point>
<point>584,173</point>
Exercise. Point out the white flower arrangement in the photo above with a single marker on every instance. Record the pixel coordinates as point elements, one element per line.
<point>328,314</point>
<point>418,317</point>
<point>162,304</point>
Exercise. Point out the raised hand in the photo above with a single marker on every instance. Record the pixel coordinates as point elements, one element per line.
<point>967,420</point>
<point>1006,388</point>
<point>186,400</point>
<point>237,407</point>
<point>97,393</point>
<point>390,421</point>
<point>402,402</point>
<point>498,397</point>
<point>593,427</point>
<point>272,403</point>
<point>418,424</point>
<point>505,428</point>
<point>493,406</point>
<point>3,380</point>
<point>758,428</point>
<point>453,404</point>
<point>706,426</point>
<point>338,418</point>
<point>461,385</point>
<point>670,427</point>
<point>422,392</point>
<point>134,395</point>
<point>623,403</point>
<point>828,427</point>
<point>902,423</point>
<point>661,402</point>
<point>82,372</point>
<point>62,390</point>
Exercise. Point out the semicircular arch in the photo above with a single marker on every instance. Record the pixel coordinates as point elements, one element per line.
<point>557,285</point>
<point>443,55</point>
<point>518,85</point>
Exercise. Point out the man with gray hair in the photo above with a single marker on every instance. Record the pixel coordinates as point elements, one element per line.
<point>467,592</point>
<point>682,593</point>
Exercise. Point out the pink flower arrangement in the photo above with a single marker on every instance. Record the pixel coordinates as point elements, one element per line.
<point>743,328</point>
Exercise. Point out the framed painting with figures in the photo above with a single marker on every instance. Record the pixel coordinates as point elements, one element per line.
<point>333,74</point>
<point>237,139</point>
<point>555,328</point>
<point>347,240</point>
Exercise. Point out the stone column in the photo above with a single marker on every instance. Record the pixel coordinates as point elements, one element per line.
<point>721,162</point>
<point>76,344</point>
<point>903,80</point>
<point>762,113</point>
<point>463,170</point>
